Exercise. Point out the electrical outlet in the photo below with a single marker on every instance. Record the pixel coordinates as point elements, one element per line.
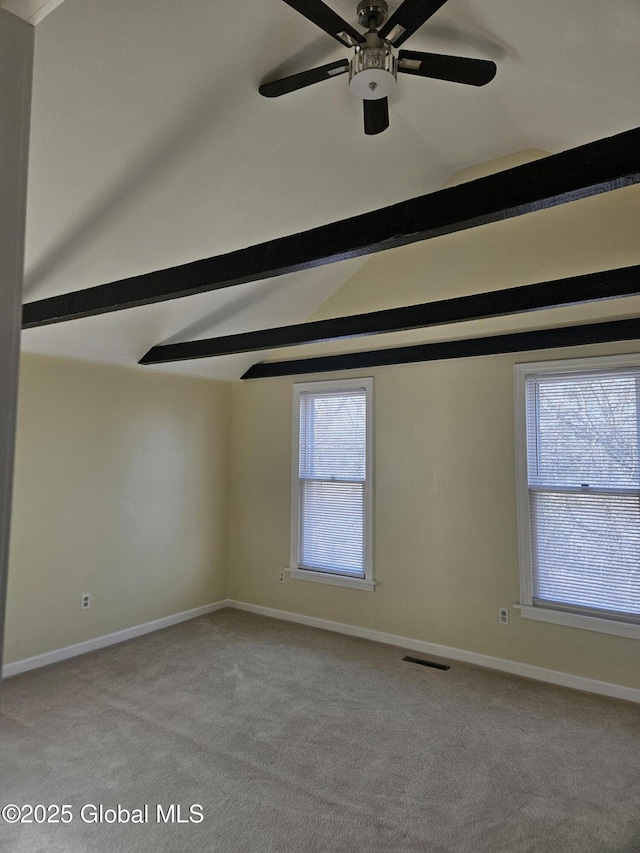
<point>85,601</point>
<point>503,615</point>
<point>282,576</point>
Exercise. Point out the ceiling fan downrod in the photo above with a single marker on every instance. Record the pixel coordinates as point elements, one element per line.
<point>373,69</point>
<point>372,15</point>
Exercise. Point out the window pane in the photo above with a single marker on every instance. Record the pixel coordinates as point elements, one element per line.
<point>583,430</point>
<point>333,435</point>
<point>331,530</point>
<point>587,550</point>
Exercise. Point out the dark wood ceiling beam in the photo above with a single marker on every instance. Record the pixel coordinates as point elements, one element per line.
<point>539,339</point>
<point>598,167</point>
<point>498,303</point>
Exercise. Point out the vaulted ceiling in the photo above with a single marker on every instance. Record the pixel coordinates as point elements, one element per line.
<point>151,146</point>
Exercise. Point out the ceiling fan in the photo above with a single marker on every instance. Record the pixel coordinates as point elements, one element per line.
<point>374,67</point>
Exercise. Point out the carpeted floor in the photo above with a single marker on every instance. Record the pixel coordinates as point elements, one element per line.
<point>296,740</point>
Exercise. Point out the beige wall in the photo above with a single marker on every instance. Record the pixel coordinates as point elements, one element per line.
<point>124,478</point>
<point>445,507</point>
<point>445,540</point>
<point>121,490</point>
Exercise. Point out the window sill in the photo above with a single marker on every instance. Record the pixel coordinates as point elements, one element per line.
<point>576,620</point>
<point>336,580</point>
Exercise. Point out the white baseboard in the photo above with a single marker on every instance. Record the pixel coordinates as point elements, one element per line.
<point>539,673</point>
<point>107,640</point>
<point>551,676</point>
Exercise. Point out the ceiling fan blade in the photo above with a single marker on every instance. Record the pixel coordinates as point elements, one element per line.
<point>328,20</point>
<point>458,69</point>
<point>407,18</point>
<point>376,116</point>
<point>305,78</point>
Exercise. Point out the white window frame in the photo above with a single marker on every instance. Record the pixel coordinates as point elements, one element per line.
<point>526,605</point>
<point>318,576</point>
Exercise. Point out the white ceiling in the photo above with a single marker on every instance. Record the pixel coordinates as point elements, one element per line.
<point>151,146</point>
<point>32,11</point>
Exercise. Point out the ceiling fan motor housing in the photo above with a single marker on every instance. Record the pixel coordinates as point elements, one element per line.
<point>373,70</point>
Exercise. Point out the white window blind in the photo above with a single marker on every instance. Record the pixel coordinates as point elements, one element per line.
<point>332,474</point>
<point>584,491</point>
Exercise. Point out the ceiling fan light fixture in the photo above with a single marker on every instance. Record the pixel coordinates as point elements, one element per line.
<point>373,73</point>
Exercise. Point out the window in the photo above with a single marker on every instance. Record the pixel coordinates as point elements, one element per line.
<point>331,505</point>
<point>578,429</point>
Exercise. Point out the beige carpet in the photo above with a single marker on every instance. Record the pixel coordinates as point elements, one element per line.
<point>294,739</point>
